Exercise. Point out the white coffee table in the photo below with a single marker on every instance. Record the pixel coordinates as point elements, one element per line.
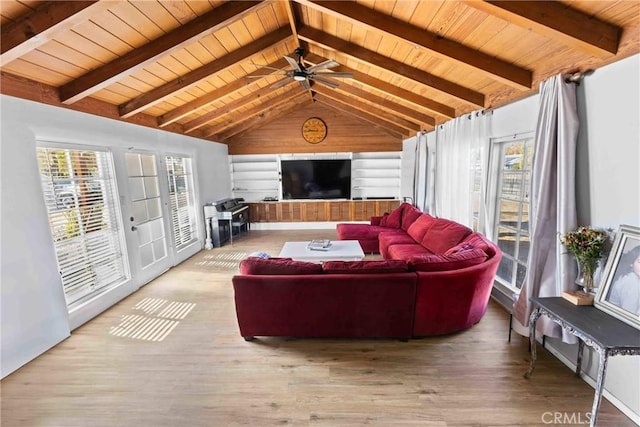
<point>340,250</point>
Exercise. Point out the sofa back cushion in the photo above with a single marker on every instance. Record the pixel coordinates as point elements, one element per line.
<point>420,226</point>
<point>365,267</point>
<point>392,219</point>
<point>270,266</point>
<point>455,261</point>
<point>443,235</point>
<point>409,214</point>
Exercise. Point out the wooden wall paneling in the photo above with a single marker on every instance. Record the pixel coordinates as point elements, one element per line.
<point>344,134</point>
<point>320,210</point>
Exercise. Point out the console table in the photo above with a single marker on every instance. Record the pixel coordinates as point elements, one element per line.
<point>604,333</point>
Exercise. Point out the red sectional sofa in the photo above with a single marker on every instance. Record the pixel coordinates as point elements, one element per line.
<point>436,279</point>
<point>359,299</point>
<point>456,267</point>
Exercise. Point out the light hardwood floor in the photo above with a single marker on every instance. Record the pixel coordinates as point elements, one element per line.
<point>202,373</point>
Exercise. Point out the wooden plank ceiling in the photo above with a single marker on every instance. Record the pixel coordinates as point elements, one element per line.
<point>208,68</point>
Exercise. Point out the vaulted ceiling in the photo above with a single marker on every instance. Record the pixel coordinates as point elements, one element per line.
<point>215,69</point>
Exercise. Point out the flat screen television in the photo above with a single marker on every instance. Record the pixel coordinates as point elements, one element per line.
<point>316,179</point>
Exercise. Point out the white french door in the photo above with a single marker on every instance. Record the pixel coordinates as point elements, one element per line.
<point>146,223</point>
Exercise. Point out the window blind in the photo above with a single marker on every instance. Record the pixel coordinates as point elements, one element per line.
<point>181,196</point>
<point>81,199</point>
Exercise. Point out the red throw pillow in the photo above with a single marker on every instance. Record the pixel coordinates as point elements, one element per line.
<point>364,267</point>
<point>270,266</point>
<point>443,235</point>
<point>383,220</point>
<point>447,262</point>
<point>460,247</point>
<point>394,219</point>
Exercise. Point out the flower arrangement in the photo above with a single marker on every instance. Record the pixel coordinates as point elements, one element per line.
<point>587,245</point>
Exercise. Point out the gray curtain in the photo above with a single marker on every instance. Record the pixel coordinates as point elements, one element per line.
<point>553,208</point>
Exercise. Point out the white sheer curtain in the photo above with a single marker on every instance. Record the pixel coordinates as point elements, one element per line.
<point>458,144</point>
<point>420,180</point>
<point>553,207</point>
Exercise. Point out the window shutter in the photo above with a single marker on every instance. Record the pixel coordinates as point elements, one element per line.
<point>181,197</point>
<point>81,199</point>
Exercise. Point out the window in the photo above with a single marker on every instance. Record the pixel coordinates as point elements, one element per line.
<point>181,197</point>
<point>81,199</point>
<point>512,160</point>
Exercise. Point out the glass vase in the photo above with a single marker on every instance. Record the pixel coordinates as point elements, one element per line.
<point>584,278</point>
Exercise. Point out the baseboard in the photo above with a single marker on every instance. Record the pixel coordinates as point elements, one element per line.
<point>320,225</point>
<point>611,398</point>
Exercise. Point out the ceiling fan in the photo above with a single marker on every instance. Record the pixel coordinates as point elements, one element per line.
<point>304,75</point>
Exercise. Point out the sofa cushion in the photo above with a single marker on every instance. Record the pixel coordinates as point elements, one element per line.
<point>409,215</point>
<point>269,266</point>
<point>443,235</point>
<point>406,251</point>
<point>386,239</point>
<point>349,231</point>
<point>365,267</point>
<point>394,237</point>
<point>454,261</point>
<point>393,220</point>
<point>420,226</point>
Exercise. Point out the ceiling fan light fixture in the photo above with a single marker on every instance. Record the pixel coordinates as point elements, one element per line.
<point>299,76</point>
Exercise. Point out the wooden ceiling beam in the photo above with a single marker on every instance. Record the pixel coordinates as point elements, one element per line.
<point>490,66</point>
<point>183,82</point>
<point>293,21</point>
<point>266,117</point>
<point>21,87</point>
<point>401,110</point>
<point>240,117</point>
<point>42,25</point>
<point>211,97</point>
<point>381,113</point>
<point>230,107</point>
<point>101,77</point>
<point>391,128</point>
<point>558,21</point>
<point>356,109</point>
<point>419,101</point>
<point>374,59</point>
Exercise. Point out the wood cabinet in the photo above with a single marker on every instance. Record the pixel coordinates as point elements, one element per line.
<point>320,210</point>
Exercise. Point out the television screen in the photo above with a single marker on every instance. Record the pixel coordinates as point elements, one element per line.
<point>316,179</point>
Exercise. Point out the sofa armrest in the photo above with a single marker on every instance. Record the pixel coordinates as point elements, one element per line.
<point>375,220</point>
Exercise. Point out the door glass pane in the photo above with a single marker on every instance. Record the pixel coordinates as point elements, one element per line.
<point>146,207</point>
<point>136,187</point>
<point>151,187</point>
<point>512,211</point>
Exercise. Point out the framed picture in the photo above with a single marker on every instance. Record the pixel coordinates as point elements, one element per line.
<point>619,293</point>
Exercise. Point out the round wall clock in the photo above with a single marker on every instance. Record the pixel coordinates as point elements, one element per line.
<point>314,130</point>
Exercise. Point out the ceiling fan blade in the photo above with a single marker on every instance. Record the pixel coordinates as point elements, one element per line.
<point>323,65</point>
<point>293,63</point>
<point>339,75</point>
<point>305,84</point>
<point>280,83</point>
<point>324,81</point>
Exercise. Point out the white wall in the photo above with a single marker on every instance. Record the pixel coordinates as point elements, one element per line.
<point>607,187</point>
<point>33,311</point>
